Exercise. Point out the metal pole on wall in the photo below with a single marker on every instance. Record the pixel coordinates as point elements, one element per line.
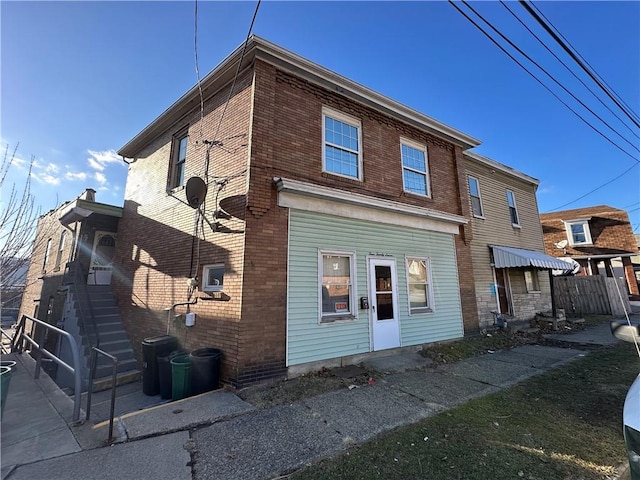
<point>553,301</point>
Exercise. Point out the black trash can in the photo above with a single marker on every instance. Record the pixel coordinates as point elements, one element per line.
<point>205,370</point>
<point>152,348</point>
<point>165,374</point>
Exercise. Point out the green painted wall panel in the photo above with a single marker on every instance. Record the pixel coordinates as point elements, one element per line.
<point>310,341</point>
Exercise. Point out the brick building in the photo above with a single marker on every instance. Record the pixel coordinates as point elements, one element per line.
<point>335,221</point>
<point>599,238</point>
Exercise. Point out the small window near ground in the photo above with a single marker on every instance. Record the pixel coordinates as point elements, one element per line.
<point>178,159</point>
<point>336,280</point>
<point>341,153</point>
<point>213,278</point>
<point>415,171</point>
<point>531,280</point>
<point>513,210</point>
<point>419,285</point>
<point>474,194</point>
<point>578,232</point>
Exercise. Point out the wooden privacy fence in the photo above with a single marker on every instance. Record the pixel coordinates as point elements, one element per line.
<point>591,295</point>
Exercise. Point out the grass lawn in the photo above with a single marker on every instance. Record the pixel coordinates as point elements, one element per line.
<point>564,424</point>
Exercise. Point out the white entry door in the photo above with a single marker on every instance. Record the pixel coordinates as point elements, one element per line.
<point>385,326</point>
<point>104,248</point>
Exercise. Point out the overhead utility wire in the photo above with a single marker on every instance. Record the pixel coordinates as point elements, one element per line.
<point>597,188</point>
<point>569,69</point>
<point>521,52</point>
<point>195,51</point>
<point>578,61</point>
<point>584,60</point>
<point>540,82</point>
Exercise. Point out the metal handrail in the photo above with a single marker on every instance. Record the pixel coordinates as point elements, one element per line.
<point>95,351</point>
<point>82,294</point>
<point>17,345</point>
<point>9,337</point>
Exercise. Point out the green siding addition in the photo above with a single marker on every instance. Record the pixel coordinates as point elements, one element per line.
<point>308,340</point>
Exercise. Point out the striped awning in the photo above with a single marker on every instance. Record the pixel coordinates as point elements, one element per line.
<point>509,257</point>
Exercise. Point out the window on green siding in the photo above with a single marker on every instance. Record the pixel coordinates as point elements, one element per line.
<point>415,168</point>
<point>419,284</point>
<point>336,281</point>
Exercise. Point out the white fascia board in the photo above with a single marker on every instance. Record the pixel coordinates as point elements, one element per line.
<point>503,168</point>
<point>330,201</point>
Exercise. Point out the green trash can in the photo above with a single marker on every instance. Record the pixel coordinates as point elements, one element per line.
<point>5,379</point>
<point>180,377</point>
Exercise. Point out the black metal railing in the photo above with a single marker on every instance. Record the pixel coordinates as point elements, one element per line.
<point>75,279</point>
<point>95,351</point>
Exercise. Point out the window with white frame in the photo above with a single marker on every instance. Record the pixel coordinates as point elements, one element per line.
<point>342,151</point>
<point>578,232</point>
<point>419,284</point>
<point>213,278</point>
<point>336,281</point>
<point>531,280</point>
<point>513,210</point>
<point>178,158</point>
<point>474,194</point>
<point>415,168</point>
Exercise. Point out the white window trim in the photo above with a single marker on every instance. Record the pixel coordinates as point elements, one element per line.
<point>479,196</point>
<point>354,122</point>
<point>333,318</point>
<point>430,308</point>
<point>423,148</point>
<point>515,207</point>
<point>587,231</point>
<point>212,288</point>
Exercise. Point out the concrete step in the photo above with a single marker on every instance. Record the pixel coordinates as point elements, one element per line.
<point>123,378</point>
<point>100,318</point>
<point>107,327</point>
<point>113,336</point>
<point>124,366</point>
<point>121,355</point>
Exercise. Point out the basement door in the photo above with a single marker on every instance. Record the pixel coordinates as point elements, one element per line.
<point>385,325</point>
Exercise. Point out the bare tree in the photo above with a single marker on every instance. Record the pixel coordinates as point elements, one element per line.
<point>18,223</point>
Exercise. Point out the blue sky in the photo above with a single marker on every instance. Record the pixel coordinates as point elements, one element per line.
<point>80,79</point>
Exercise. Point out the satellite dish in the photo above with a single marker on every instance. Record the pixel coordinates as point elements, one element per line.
<point>561,244</point>
<point>196,191</point>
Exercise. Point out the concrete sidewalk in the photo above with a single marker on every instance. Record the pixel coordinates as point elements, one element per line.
<point>233,439</point>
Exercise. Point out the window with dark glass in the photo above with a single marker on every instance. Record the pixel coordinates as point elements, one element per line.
<point>178,159</point>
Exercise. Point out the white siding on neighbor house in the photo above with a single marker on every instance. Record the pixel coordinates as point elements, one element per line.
<point>308,340</point>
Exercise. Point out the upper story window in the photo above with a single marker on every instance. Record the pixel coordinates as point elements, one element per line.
<point>578,232</point>
<point>178,157</point>
<point>415,168</point>
<point>474,194</point>
<point>46,255</point>
<point>513,210</point>
<point>342,144</point>
<point>63,240</point>
<point>336,282</point>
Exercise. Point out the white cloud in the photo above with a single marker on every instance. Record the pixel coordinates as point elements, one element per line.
<point>52,167</point>
<point>99,160</point>
<point>100,178</point>
<point>75,176</point>
<point>46,178</point>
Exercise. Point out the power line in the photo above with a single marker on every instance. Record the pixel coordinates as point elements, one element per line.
<point>568,69</point>
<point>597,188</point>
<point>521,52</point>
<point>584,60</point>
<point>540,82</point>
<point>577,60</point>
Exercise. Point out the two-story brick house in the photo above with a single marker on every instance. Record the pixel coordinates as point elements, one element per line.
<point>595,237</point>
<point>511,270</point>
<point>335,223</point>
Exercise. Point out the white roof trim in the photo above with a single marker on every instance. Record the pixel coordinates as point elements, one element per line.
<point>331,201</point>
<point>503,168</point>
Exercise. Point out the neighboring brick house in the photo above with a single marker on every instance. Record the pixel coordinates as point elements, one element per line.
<point>335,223</point>
<point>511,271</point>
<point>596,238</point>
